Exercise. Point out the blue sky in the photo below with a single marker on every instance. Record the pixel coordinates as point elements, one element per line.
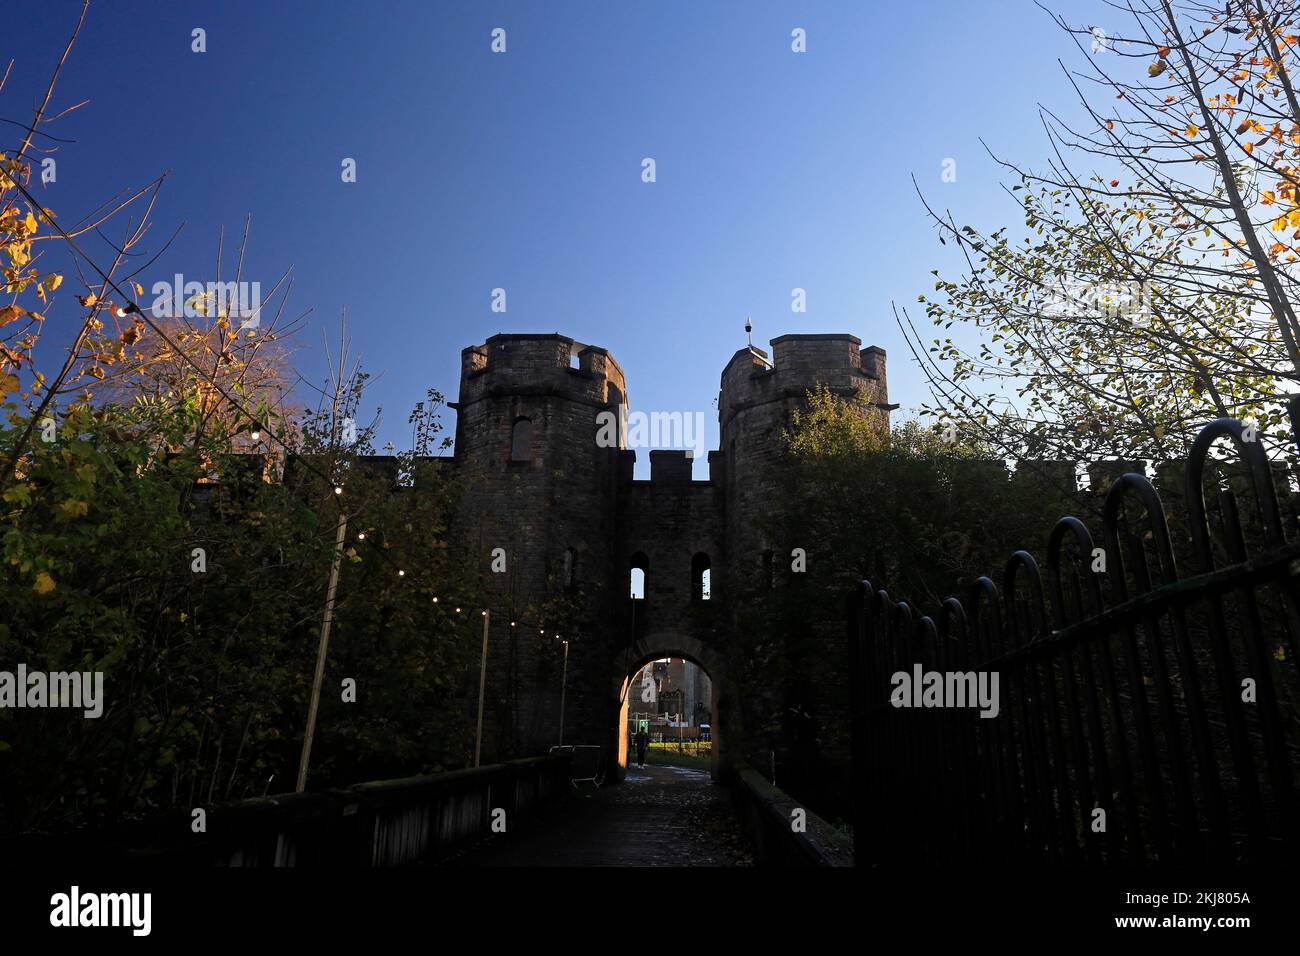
<point>522,170</point>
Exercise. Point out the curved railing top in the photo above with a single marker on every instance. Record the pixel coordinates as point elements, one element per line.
<point>1070,525</point>
<point>1251,452</point>
<point>1155,509</point>
<point>1023,559</point>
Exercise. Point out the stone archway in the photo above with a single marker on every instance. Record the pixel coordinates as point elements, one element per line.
<point>652,647</point>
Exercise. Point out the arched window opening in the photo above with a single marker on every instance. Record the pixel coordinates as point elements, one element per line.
<point>521,440</point>
<point>637,575</point>
<point>569,575</point>
<point>701,575</point>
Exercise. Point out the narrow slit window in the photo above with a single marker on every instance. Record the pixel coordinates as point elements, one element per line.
<point>637,576</point>
<point>521,440</point>
<point>701,575</point>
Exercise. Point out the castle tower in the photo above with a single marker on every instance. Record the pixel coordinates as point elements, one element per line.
<point>755,404</point>
<point>538,486</point>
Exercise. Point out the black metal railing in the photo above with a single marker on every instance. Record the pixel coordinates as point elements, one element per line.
<point>1144,716</point>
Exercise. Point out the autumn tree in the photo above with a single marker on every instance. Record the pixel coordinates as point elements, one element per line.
<point>231,370</point>
<point>1152,288</point>
<point>917,510</point>
<point>31,236</point>
<point>929,511</point>
<point>200,606</point>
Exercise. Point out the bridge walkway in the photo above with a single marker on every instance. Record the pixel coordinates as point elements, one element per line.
<point>658,816</point>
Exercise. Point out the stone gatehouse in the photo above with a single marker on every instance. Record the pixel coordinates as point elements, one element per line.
<point>573,523</point>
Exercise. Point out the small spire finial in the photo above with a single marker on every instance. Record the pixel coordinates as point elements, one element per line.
<point>749,331</point>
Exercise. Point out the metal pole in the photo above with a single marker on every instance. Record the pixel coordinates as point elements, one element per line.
<point>564,680</point>
<point>482,686</point>
<point>314,706</point>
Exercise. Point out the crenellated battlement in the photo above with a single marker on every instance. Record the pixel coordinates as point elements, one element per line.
<point>799,363</point>
<point>817,352</point>
<point>525,363</point>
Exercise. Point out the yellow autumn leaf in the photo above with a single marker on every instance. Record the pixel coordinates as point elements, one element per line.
<point>74,509</point>
<point>1267,197</point>
<point>53,281</point>
<point>1191,130</point>
<point>44,583</point>
<point>30,223</point>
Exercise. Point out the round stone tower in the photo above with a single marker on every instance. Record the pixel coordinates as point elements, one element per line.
<point>755,403</point>
<point>538,486</point>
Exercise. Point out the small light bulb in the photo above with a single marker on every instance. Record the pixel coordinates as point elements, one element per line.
<point>361,536</point>
<point>435,599</point>
<point>338,490</point>
<point>256,436</point>
<point>401,573</point>
<point>457,610</point>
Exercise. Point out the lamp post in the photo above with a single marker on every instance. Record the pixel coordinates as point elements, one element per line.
<point>482,686</point>
<point>564,681</point>
<point>305,759</point>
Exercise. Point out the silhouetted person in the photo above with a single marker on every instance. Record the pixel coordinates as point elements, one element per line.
<point>642,740</point>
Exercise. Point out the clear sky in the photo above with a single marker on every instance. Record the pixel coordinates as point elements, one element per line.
<point>522,170</point>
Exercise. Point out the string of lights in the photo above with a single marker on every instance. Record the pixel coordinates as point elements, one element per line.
<point>290,453</point>
<point>133,309</point>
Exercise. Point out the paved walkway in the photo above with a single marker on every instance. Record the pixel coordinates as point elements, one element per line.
<point>658,816</point>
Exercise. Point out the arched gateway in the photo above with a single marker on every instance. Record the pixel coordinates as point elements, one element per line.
<point>656,647</point>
